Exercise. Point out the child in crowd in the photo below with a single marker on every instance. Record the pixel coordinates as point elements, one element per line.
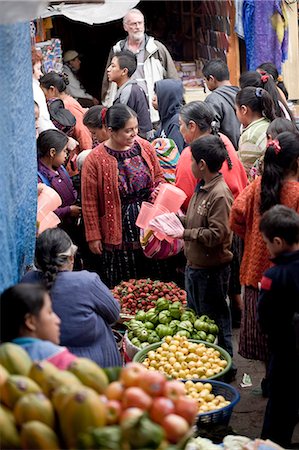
<point>208,238</point>
<point>277,185</point>
<point>255,110</point>
<point>278,312</point>
<point>270,69</point>
<point>121,69</point>
<point>27,319</point>
<point>52,153</point>
<point>168,100</point>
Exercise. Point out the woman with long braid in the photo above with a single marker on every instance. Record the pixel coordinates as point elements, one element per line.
<point>84,304</point>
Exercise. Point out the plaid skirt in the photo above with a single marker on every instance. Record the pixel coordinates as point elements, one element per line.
<point>253,343</point>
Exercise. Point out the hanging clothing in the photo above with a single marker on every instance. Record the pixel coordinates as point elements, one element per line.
<point>266,32</point>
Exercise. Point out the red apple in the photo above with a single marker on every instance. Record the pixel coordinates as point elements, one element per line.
<point>136,397</point>
<point>115,391</point>
<point>160,408</point>
<point>113,412</point>
<point>130,374</point>
<point>187,408</point>
<point>152,383</point>
<point>175,427</point>
<point>174,389</point>
<point>130,413</point>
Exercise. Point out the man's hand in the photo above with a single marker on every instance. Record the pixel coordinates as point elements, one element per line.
<point>96,247</point>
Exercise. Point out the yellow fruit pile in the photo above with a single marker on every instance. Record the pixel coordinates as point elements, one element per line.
<point>181,359</point>
<point>202,392</point>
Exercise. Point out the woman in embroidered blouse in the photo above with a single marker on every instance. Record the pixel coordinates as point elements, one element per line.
<point>117,176</point>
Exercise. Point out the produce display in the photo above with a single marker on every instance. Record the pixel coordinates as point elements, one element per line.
<point>43,407</point>
<point>202,392</point>
<point>181,359</point>
<point>168,319</point>
<point>134,295</point>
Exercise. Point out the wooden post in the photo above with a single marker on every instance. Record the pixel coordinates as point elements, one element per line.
<point>290,68</point>
<point>233,54</point>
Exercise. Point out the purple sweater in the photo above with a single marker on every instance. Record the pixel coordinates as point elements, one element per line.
<point>63,185</point>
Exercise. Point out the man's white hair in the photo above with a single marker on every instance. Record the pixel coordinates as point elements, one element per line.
<point>132,11</point>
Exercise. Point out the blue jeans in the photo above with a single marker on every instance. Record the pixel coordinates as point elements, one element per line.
<point>206,294</point>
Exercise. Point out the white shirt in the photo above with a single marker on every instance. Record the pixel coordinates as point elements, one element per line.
<point>74,88</point>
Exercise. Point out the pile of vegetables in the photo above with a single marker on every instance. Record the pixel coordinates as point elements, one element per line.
<point>179,358</point>
<point>169,319</point>
<point>134,295</point>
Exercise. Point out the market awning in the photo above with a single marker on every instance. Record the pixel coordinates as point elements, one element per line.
<point>93,12</point>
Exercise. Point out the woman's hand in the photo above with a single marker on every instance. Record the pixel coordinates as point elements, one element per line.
<point>96,247</point>
<point>75,210</point>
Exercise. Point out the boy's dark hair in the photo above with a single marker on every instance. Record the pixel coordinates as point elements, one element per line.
<point>94,117</point>
<point>51,139</point>
<point>258,100</point>
<point>211,149</point>
<point>281,159</point>
<point>15,303</point>
<point>51,246</point>
<point>281,221</point>
<point>217,68</point>
<point>127,60</point>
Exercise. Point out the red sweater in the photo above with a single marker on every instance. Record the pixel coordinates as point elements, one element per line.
<point>101,202</point>
<point>236,178</point>
<point>245,220</point>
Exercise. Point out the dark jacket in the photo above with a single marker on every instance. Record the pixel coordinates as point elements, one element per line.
<point>207,234</point>
<point>170,99</point>
<point>132,95</point>
<point>223,101</point>
<point>279,301</point>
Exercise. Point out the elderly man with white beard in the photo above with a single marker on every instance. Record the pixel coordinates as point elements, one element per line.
<point>154,62</point>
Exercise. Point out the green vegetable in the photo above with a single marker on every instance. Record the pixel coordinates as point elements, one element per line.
<point>135,341</point>
<point>112,373</point>
<point>202,335</point>
<point>162,304</point>
<point>188,315</point>
<point>149,325</point>
<point>186,325</point>
<point>140,315</point>
<point>213,329</point>
<point>200,325</point>
<point>142,335</point>
<point>152,316</point>
<point>174,325</point>
<point>141,433</point>
<point>153,338</point>
<point>204,318</point>
<point>164,317</point>
<point>210,338</point>
<point>144,344</point>
<point>134,325</point>
<point>183,333</point>
<point>175,310</point>
<point>130,335</point>
<point>163,330</point>
<point>108,438</point>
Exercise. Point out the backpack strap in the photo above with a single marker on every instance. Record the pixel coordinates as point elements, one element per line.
<point>65,172</point>
<point>44,179</point>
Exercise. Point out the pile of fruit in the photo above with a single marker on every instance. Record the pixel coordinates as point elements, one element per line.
<point>202,392</point>
<point>181,359</point>
<point>134,295</point>
<point>43,407</point>
<point>168,319</point>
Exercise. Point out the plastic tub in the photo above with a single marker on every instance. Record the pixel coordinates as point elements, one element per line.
<point>170,197</point>
<point>50,221</point>
<point>47,201</point>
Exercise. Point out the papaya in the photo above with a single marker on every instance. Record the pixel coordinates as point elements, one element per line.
<point>40,370</point>
<point>90,374</point>
<point>15,359</point>
<point>36,435</point>
<point>35,406</point>
<point>3,374</point>
<point>59,378</point>
<point>82,410</point>
<point>9,437</point>
<point>61,395</point>
<point>15,387</point>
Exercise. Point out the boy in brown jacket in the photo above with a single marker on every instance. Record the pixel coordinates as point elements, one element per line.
<point>208,237</point>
